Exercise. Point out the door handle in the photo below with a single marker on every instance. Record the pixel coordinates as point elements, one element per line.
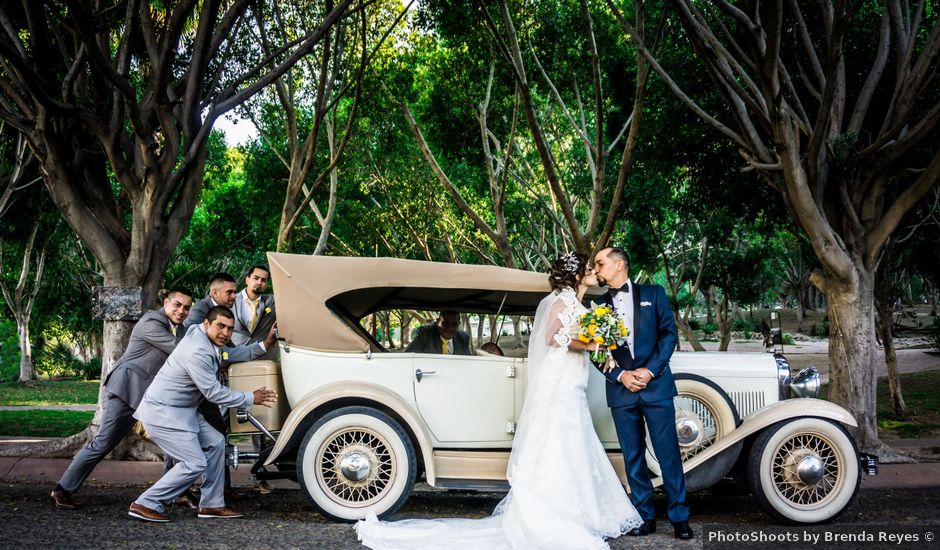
<point>420,373</point>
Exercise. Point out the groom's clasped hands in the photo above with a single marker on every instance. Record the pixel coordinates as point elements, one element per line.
<point>633,380</point>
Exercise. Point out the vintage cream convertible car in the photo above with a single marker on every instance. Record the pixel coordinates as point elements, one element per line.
<point>361,425</point>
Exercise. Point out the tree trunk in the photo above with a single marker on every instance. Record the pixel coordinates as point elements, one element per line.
<point>480,318</point>
<point>27,369</point>
<point>682,322</point>
<point>932,298</point>
<point>516,331</point>
<point>708,293</point>
<point>405,328</point>
<point>800,312</point>
<point>852,351</point>
<point>885,323</point>
<point>724,324</point>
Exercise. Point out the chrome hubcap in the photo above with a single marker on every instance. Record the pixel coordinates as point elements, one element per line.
<point>810,470</point>
<point>355,467</point>
<point>689,431</point>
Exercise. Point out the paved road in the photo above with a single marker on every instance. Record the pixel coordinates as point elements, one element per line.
<point>284,520</point>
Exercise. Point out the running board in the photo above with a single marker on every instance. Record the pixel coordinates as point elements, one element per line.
<point>489,485</point>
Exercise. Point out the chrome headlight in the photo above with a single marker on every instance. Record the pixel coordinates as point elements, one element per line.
<point>783,377</point>
<point>806,383</point>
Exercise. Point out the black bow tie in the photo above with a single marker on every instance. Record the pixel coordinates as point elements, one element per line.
<point>613,291</point>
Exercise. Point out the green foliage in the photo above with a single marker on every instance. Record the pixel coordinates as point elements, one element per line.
<point>9,352</point>
<point>788,339</point>
<point>55,356</point>
<point>709,328</point>
<point>48,393</point>
<point>740,324</point>
<point>39,423</point>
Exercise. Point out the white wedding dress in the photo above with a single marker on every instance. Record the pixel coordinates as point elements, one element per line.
<point>564,492</point>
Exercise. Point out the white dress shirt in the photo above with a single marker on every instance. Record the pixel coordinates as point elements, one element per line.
<point>623,305</point>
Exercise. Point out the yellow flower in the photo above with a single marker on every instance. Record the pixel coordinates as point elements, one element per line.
<point>267,310</point>
<point>225,356</point>
<point>592,329</point>
<point>598,340</point>
<point>601,311</point>
<point>612,346</point>
<point>584,338</point>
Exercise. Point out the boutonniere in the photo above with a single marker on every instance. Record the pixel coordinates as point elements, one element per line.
<point>645,304</point>
<point>225,356</point>
<point>267,310</point>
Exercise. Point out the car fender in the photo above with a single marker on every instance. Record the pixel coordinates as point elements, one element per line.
<point>356,390</point>
<point>771,414</point>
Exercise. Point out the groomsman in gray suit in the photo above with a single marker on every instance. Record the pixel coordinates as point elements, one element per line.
<point>169,412</point>
<point>221,293</point>
<point>154,337</point>
<point>254,310</point>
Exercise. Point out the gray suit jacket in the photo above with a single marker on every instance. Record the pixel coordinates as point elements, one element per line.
<point>428,340</point>
<point>189,374</point>
<point>197,313</point>
<point>266,317</point>
<point>151,342</point>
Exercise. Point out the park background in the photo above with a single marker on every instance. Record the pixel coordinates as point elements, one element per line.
<point>779,158</point>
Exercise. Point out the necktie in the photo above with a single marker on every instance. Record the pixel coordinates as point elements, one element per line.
<point>253,306</point>
<point>173,329</point>
<point>444,347</point>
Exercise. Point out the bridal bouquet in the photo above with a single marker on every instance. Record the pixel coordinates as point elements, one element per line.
<point>602,326</point>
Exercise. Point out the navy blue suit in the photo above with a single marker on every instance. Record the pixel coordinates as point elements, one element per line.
<point>654,339</point>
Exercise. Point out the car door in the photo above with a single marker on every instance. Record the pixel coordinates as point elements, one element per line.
<point>466,401</point>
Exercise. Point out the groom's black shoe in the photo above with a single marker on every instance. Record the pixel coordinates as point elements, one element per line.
<point>683,531</point>
<point>648,528</point>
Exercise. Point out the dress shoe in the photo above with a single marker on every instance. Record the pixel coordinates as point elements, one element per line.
<point>187,500</point>
<point>146,514</point>
<point>683,531</point>
<point>648,528</point>
<point>62,499</point>
<point>224,513</point>
<point>263,487</point>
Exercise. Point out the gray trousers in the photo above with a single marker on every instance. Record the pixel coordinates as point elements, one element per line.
<point>196,454</point>
<point>116,420</point>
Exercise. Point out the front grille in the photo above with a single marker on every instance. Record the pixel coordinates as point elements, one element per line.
<point>747,401</point>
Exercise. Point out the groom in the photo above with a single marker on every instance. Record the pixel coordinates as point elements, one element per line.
<point>641,389</point>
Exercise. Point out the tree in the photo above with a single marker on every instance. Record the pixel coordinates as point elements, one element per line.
<point>589,209</point>
<point>117,100</point>
<point>844,128</point>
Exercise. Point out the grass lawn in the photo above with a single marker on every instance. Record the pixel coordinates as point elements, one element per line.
<point>43,423</point>
<point>47,392</point>
<point>921,391</point>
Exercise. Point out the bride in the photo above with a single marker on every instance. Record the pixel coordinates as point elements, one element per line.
<point>564,492</point>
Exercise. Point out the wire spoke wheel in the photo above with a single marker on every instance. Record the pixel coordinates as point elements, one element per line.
<point>354,461</point>
<point>805,470</point>
<point>356,466</point>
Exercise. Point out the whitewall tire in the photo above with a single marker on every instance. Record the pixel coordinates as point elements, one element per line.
<point>804,471</point>
<point>356,460</point>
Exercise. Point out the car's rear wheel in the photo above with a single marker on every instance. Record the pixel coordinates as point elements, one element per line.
<point>356,460</point>
<point>804,471</point>
<point>704,414</point>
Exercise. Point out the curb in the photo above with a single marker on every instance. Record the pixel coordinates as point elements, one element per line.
<point>122,472</point>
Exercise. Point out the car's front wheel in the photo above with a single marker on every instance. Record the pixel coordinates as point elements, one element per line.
<point>356,460</point>
<point>804,471</point>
